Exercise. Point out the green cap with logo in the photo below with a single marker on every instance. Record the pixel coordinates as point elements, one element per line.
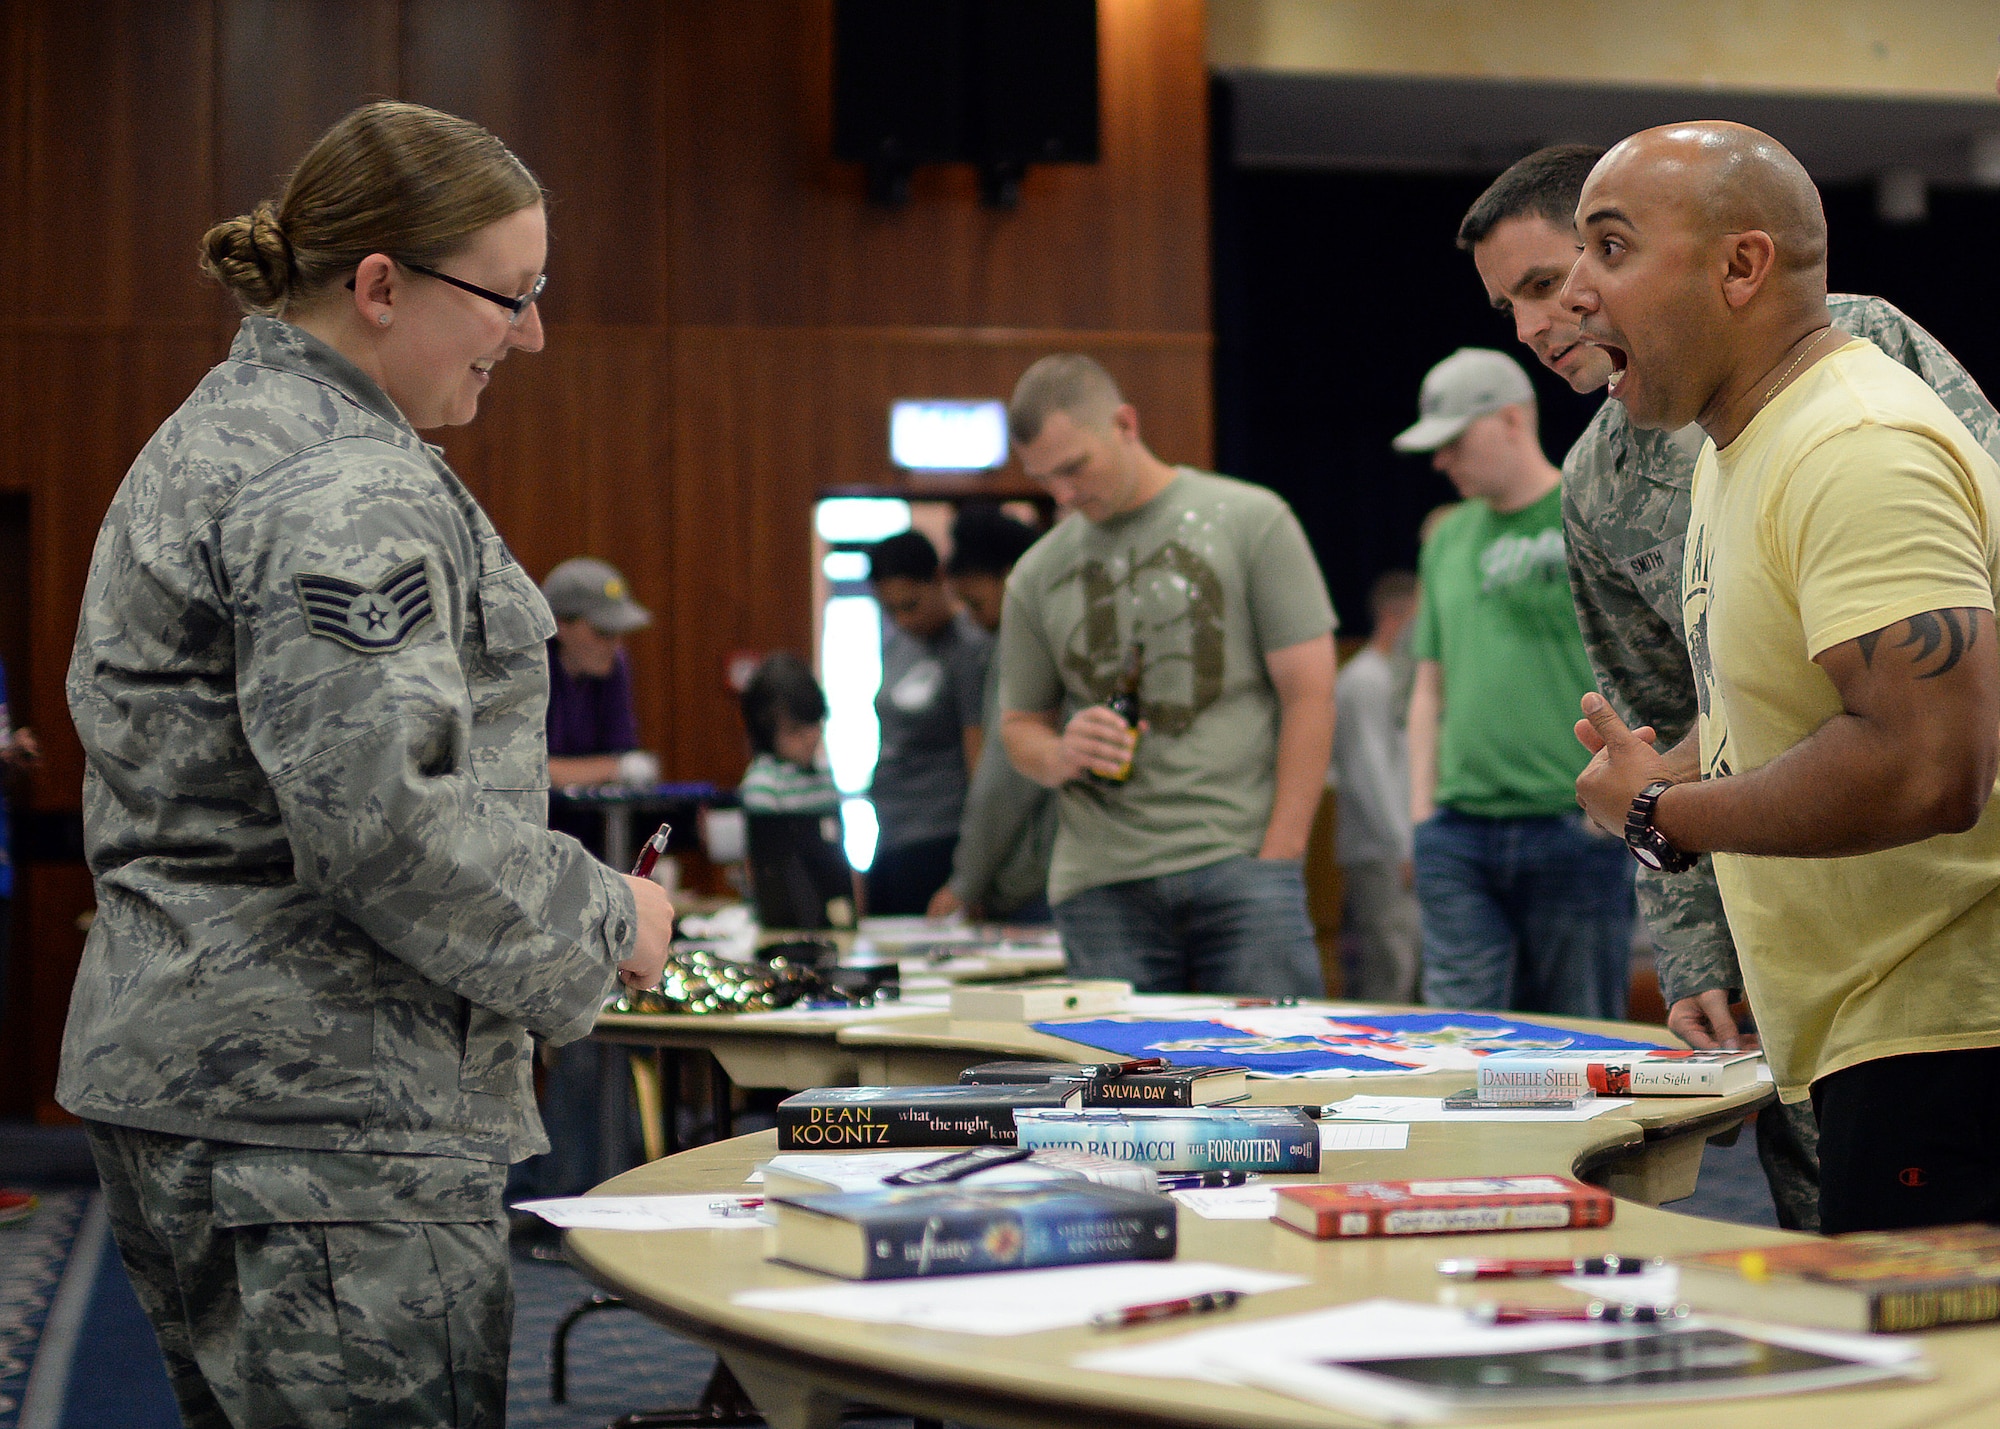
<point>587,589</point>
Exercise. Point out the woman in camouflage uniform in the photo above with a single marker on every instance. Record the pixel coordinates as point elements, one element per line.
<point>309,678</point>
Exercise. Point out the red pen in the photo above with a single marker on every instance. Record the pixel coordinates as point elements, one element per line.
<point>1596,1312</point>
<point>1496,1269</point>
<point>650,851</point>
<point>1166,1309</point>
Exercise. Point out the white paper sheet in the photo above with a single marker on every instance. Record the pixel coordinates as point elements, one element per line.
<point>1017,1302</point>
<point>713,1211</point>
<point>1406,1109</point>
<point>1365,1136</point>
<point>1231,1203</point>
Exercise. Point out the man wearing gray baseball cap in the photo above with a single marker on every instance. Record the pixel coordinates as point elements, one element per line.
<point>593,731</point>
<point>1524,906</point>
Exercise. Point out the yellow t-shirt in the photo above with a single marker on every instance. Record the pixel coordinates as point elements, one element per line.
<point>1855,500</point>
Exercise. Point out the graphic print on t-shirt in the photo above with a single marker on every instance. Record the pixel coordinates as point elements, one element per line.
<point>1512,559</point>
<point>918,687</point>
<point>1715,764</point>
<point>1172,600</point>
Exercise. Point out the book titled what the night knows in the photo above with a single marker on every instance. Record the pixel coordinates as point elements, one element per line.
<point>957,1230</point>
<point>858,1118</point>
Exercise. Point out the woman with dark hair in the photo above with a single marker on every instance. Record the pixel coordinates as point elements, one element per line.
<point>309,678</point>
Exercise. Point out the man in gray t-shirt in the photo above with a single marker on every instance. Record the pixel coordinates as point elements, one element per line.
<point>1186,874</point>
<point>933,671</point>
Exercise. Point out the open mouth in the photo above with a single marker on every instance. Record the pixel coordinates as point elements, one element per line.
<point>1619,365</point>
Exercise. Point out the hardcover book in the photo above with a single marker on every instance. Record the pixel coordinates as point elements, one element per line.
<point>1279,1139</point>
<point>805,1174</point>
<point>1871,1280</point>
<point>856,1118</point>
<point>1026,1001</point>
<point>956,1230</point>
<point>1496,1203</point>
<point>1665,1072</point>
<point>1169,1087</point>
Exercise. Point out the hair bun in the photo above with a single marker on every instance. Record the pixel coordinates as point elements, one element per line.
<point>250,256</point>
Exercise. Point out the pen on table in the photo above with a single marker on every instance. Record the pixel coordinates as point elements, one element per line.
<point>1124,1069</point>
<point>1203,1180</point>
<point>1524,1269</point>
<point>1288,1000</point>
<point>1166,1309</point>
<point>650,851</point>
<point>737,1205</point>
<point>1596,1312</point>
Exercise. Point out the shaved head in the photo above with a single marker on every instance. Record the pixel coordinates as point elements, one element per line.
<point>1703,260</point>
<point>1727,178</point>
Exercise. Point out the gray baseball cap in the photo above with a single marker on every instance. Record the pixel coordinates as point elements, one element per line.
<point>592,590</point>
<point>1470,383</point>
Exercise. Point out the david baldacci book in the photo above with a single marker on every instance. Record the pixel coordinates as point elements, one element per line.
<point>1488,1203</point>
<point>1279,1139</point>
<point>957,1230</point>
<point>1169,1086</point>
<point>818,1173</point>
<point>856,1118</point>
<point>1872,1280</point>
<point>1667,1072</point>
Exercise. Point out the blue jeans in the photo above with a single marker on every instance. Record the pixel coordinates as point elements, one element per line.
<point>1524,915</point>
<point>1238,926</point>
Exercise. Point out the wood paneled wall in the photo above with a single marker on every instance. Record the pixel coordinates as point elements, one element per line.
<point>727,317</point>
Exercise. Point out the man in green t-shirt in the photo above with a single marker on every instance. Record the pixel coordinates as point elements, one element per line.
<point>1183,873</point>
<point>1524,905</point>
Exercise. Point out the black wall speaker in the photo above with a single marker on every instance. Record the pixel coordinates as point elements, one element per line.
<point>997,83</point>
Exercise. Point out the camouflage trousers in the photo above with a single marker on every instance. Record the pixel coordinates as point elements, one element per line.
<point>304,1289</point>
<point>1788,1147</point>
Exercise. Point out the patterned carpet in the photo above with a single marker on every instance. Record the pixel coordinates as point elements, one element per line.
<point>33,1254</point>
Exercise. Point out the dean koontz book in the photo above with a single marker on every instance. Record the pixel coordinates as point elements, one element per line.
<point>957,1230</point>
<point>857,1118</point>
<point>1279,1139</point>
<point>1441,1207</point>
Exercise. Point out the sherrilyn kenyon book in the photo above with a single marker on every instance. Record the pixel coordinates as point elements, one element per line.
<point>1239,1138</point>
<point>856,1118</point>
<point>957,1230</point>
<point>1871,1280</point>
<point>1169,1086</point>
<point>1490,1203</point>
<point>807,1174</point>
<point>1665,1072</point>
<point>1639,1367</point>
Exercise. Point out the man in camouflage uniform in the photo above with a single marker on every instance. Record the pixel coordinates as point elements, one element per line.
<point>1626,498</point>
<point>309,678</point>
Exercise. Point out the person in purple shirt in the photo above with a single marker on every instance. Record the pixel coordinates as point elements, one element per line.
<point>593,731</point>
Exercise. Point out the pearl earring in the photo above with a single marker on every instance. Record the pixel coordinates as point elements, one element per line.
<point>382,318</point>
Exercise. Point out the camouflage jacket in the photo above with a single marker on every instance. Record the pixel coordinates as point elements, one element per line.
<point>310,682</point>
<point>1625,517</point>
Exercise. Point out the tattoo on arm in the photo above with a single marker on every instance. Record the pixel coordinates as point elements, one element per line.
<point>1940,635</point>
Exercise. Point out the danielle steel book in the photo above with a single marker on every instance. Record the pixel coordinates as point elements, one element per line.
<point>956,1230</point>
<point>1668,1072</point>
<point>1353,1209</point>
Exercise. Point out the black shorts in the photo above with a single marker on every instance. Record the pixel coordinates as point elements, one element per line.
<point>1910,1141</point>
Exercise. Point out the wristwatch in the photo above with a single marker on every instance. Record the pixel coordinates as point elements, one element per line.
<point>1647,843</point>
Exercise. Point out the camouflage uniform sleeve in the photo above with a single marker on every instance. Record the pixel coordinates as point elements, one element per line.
<point>1641,665</point>
<point>409,766</point>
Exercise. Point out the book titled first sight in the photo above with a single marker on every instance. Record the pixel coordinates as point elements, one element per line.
<point>857,1118</point>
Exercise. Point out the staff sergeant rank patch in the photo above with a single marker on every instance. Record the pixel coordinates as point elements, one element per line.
<point>371,619</point>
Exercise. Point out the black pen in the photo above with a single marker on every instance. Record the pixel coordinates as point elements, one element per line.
<point>1203,1180</point>
<point>1166,1309</point>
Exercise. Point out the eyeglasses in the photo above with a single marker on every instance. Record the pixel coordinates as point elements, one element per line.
<point>514,306</point>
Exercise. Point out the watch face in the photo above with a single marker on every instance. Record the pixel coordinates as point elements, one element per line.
<point>1647,856</point>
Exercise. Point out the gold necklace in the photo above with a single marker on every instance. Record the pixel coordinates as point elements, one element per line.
<point>1794,367</point>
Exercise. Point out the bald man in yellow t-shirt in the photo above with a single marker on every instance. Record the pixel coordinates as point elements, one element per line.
<point>1838,588</point>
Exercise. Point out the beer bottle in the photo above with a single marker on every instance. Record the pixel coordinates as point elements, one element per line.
<point>1124,703</point>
